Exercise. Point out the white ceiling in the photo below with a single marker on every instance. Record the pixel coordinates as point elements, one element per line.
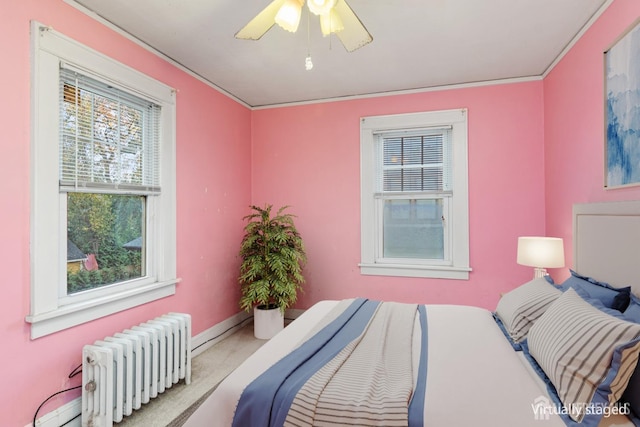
<point>416,44</point>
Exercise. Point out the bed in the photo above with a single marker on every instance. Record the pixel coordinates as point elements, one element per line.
<point>468,366</point>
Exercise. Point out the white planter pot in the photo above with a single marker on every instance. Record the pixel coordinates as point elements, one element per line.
<point>267,322</point>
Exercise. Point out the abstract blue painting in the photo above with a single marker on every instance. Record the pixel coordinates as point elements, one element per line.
<point>622,67</point>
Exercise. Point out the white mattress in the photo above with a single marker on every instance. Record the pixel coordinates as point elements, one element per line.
<point>474,377</point>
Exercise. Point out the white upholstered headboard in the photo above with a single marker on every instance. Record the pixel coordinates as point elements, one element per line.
<point>606,242</point>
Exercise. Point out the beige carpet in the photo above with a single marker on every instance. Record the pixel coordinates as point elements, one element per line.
<point>173,407</point>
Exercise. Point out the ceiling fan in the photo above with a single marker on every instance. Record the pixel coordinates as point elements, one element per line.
<point>335,17</point>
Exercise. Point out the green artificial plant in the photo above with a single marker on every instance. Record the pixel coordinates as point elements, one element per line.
<point>273,256</point>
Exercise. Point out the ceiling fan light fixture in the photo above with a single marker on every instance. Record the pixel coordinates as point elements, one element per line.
<point>288,16</point>
<point>336,18</point>
<point>320,7</point>
<point>331,23</point>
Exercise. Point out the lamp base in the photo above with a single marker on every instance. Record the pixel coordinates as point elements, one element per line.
<point>539,272</point>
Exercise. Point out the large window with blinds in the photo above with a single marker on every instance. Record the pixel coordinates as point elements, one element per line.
<point>414,195</point>
<point>109,152</point>
<point>103,185</point>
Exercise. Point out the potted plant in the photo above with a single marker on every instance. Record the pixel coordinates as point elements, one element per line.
<point>271,271</point>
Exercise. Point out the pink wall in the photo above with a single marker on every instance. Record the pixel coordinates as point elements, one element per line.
<point>535,148</point>
<point>309,157</point>
<point>574,126</point>
<point>213,192</point>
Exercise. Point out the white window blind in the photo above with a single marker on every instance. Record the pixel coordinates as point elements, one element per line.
<point>108,138</point>
<point>415,161</point>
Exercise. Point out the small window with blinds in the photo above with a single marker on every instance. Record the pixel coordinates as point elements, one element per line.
<point>108,167</point>
<point>414,195</point>
<point>414,184</point>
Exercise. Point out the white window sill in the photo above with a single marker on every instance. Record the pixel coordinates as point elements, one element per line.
<point>74,314</point>
<point>408,270</point>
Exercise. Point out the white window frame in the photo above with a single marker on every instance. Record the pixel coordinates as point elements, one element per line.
<point>50,310</point>
<point>456,264</point>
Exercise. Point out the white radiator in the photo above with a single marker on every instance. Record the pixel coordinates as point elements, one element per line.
<point>126,370</point>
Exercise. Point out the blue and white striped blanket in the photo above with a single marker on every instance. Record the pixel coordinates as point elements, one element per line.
<point>356,370</point>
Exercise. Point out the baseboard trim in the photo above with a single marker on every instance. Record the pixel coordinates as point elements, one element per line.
<point>63,414</point>
<point>207,338</point>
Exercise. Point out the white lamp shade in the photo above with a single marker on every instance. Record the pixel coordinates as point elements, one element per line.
<point>541,252</point>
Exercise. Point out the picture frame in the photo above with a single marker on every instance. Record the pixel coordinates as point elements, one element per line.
<point>622,111</point>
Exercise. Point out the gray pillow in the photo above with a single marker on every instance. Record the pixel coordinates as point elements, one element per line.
<point>587,354</point>
<point>520,308</point>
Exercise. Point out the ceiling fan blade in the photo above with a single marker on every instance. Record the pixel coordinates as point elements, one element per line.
<point>263,21</point>
<point>354,35</point>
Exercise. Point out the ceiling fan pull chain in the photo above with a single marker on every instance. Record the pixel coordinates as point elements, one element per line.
<point>308,64</point>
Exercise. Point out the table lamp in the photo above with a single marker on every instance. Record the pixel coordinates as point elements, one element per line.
<point>540,253</point>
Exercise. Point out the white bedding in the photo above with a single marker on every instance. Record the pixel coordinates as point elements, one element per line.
<point>474,377</point>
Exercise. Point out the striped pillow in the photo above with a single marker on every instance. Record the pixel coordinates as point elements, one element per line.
<point>587,354</point>
<point>521,307</point>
